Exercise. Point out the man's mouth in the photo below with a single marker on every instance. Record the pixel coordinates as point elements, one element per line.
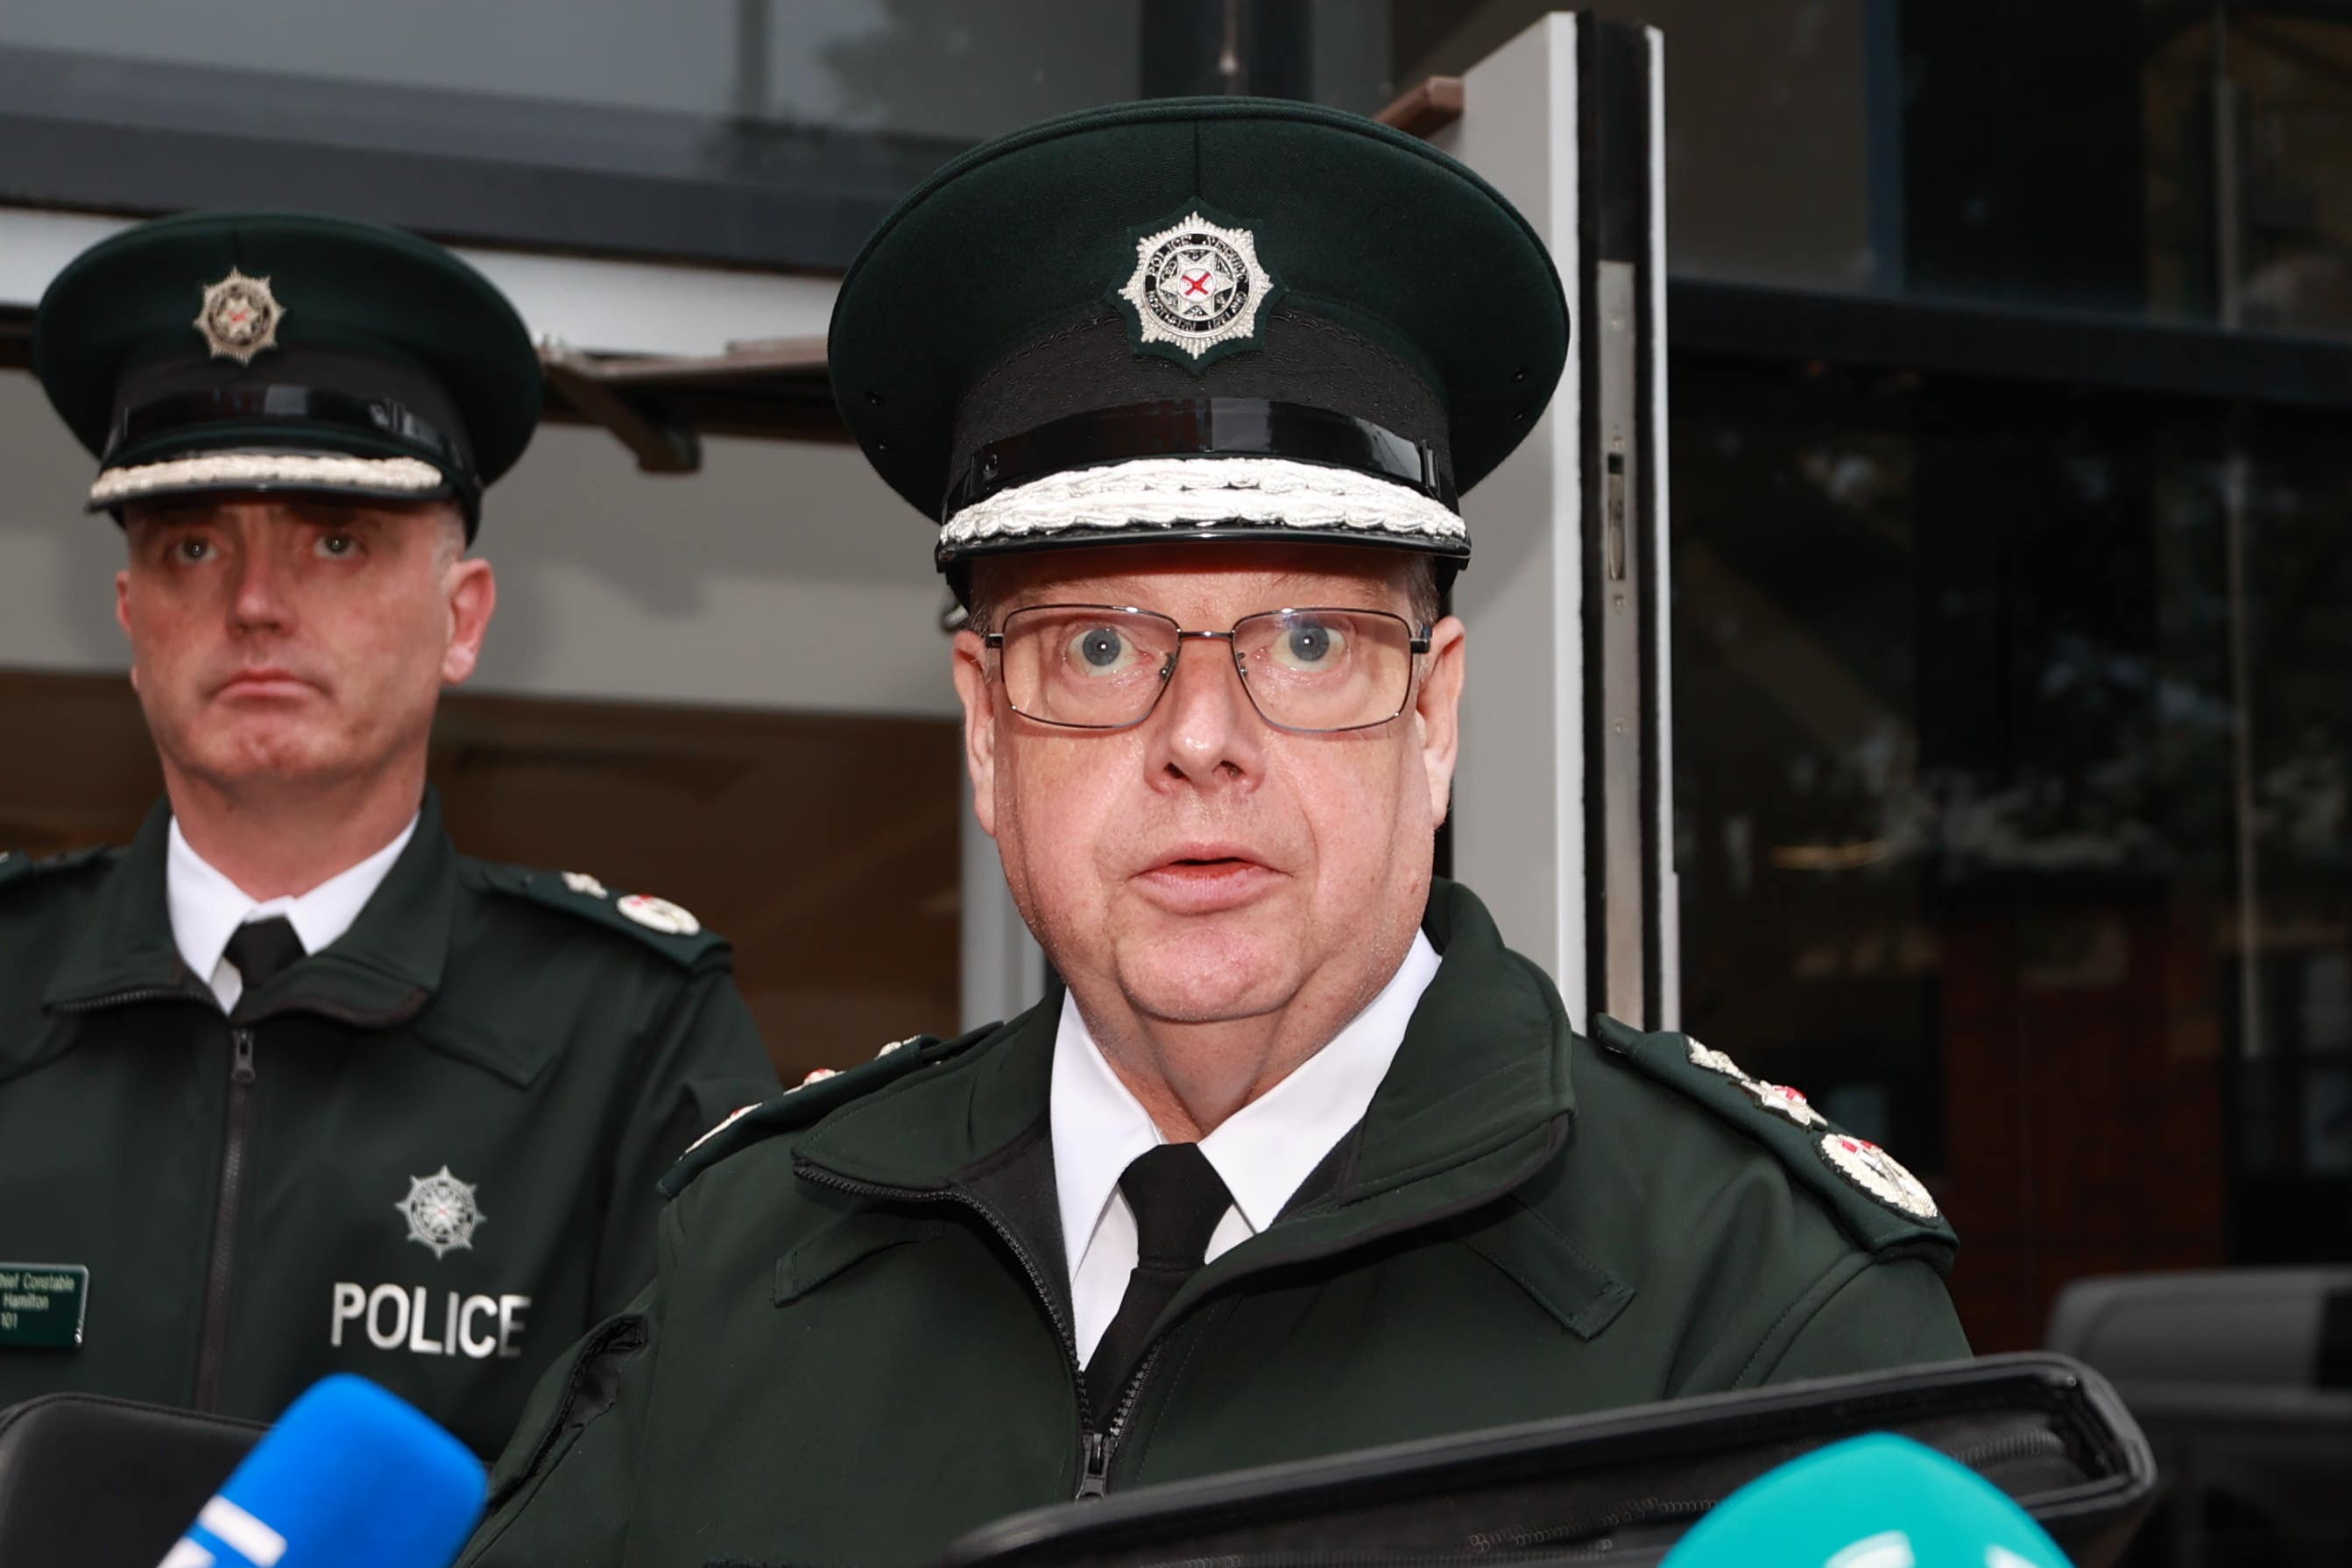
<point>1206,879</point>
<point>266,681</point>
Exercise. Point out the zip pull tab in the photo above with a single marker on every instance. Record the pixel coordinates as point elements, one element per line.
<point>1096,1481</point>
<point>241,1067</point>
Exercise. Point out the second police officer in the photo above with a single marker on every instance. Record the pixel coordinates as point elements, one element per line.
<point>288,1085</point>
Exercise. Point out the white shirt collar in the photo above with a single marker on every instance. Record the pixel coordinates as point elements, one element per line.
<point>1099,1127</point>
<point>1264,1151</point>
<point>206,907</point>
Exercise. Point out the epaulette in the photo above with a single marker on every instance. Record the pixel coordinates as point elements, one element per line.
<point>1879,1202</point>
<point>661,925</point>
<point>816,1098</point>
<point>19,868</point>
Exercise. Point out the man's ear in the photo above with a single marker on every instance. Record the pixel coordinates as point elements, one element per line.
<point>473,593</point>
<point>969,667</point>
<point>123,619</point>
<point>1438,708</point>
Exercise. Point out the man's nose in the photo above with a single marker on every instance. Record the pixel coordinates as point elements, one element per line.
<point>261,589</point>
<point>1207,728</point>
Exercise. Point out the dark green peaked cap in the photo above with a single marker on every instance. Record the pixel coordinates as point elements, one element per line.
<point>248,351</point>
<point>1040,345</point>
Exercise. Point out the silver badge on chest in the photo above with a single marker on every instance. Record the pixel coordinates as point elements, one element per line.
<point>441,1211</point>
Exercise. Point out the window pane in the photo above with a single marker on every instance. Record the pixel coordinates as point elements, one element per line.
<point>927,68</point>
<point>1958,782</point>
<point>2111,155</point>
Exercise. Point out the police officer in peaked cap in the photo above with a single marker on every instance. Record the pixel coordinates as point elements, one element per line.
<point>1298,1156</point>
<point>287,1085</point>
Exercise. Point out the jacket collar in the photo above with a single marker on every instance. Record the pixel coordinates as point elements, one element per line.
<point>381,971</point>
<point>1477,1100</point>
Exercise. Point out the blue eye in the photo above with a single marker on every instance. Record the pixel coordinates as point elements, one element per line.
<point>1102,650</point>
<point>1308,646</point>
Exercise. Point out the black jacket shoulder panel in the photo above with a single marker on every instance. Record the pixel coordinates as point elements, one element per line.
<point>18,870</point>
<point>652,923</point>
<point>46,905</point>
<point>813,1100</point>
<point>1881,1206</point>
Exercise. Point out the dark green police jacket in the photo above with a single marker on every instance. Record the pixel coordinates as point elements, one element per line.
<point>858,1344</point>
<point>426,1153</point>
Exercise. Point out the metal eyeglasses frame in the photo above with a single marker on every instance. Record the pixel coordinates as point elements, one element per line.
<point>1416,644</point>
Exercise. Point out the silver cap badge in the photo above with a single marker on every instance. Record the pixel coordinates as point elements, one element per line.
<point>1197,284</point>
<point>239,317</point>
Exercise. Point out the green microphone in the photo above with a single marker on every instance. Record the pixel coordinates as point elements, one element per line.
<point>1879,1502</point>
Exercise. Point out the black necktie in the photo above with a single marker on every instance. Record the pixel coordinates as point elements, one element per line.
<point>1178,1199</point>
<point>261,949</point>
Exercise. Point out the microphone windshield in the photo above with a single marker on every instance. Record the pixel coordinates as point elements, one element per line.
<point>351,1477</point>
<point>1879,1502</point>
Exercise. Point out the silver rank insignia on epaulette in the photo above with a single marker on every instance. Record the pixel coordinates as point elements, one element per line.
<point>1777,1098</point>
<point>239,317</point>
<point>1879,1174</point>
<point>1715,1061</point>
<point>1780,1099</point>
<point>658,914</point>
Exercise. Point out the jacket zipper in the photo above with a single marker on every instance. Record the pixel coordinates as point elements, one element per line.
<point>1096,1446</point>
<point>219,1270</point>
<point>1093,1481</point>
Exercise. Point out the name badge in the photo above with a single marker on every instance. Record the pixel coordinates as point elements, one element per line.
<point>41,1305</point>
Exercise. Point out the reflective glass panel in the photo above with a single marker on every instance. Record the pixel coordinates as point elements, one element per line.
<point>2010,721</point>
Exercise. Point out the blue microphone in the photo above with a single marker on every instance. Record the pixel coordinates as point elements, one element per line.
<point>351,1477</point>
<point>1880,1502</point>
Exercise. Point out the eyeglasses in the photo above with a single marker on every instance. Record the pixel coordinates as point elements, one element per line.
<point>1103,666</point>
